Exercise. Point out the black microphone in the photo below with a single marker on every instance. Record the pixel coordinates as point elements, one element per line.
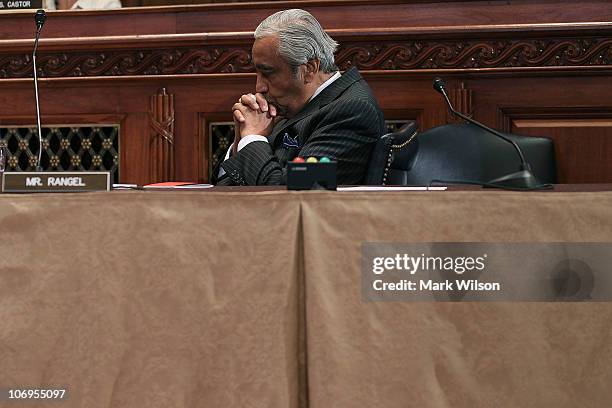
<point>522,179</point>
<point>40,17</point>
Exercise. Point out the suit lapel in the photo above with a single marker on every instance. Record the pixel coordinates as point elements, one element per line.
<point>276,130</point>
<point>308,110</point>
<point>337,87</point>
<point>326,96</point>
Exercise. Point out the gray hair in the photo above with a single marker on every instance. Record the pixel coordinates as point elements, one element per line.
<point>301,39</point>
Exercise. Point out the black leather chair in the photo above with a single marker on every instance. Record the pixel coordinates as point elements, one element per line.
<point>455,153</point>
<point>390,153</point>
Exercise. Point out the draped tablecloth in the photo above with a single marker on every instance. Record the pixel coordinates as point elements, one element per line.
<point>224,298</point>
<point>151,299</point>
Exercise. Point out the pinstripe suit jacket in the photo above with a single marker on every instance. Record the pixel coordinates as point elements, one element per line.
<point>343,123</point>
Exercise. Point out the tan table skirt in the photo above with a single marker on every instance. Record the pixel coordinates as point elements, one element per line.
<point>151,299</point>
<point>253,299</point>
<point>401,354</point>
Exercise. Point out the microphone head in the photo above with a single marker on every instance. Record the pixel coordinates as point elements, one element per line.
<point>439,85</point>
<point>40,18</point>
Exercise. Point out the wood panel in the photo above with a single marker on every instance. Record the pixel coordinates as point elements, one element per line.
<point>126,102</point>
<point>574,111</point>
<point>335,14</point>
<point>581,129</point>
<point>583,146</point>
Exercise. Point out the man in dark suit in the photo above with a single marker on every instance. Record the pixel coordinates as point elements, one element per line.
<point>302,107</point>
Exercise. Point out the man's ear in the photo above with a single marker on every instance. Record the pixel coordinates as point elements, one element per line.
<point>311,69</point>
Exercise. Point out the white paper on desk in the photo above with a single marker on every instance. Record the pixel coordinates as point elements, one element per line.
<point>179,187</point>
<point>392,188</point>
<point>193,186</point>
<point>124,186</point>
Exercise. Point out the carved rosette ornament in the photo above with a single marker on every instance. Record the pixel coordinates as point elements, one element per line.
<point>161,116</point>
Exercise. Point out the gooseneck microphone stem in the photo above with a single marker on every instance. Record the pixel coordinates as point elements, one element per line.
<point>38,126</point>
<point>524,164</point>
<point>40,18</point>
<point>522,179</point>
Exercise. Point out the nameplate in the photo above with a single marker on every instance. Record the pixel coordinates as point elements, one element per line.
<point>20,4</point>
<point>55,182</point>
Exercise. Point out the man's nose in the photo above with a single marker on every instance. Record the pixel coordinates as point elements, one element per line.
<point>261,86</point>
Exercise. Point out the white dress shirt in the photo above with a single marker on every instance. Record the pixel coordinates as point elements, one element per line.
<point>96,4</point>
<point>86,4</point>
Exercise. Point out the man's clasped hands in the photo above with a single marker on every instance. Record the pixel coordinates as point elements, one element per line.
<point>253,115</point>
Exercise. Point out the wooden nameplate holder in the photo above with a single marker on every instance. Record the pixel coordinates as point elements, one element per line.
<point>55,182</point>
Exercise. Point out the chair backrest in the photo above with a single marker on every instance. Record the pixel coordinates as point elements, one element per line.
<point>391,150</point>
<point>464,152</point>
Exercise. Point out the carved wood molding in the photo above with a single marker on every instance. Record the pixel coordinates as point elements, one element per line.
<point>461,98</point>
<point>477,54</point>
<point>161,120</point>
<point>506,116</point>
<point>130,62</point>
<point>373,55</point>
